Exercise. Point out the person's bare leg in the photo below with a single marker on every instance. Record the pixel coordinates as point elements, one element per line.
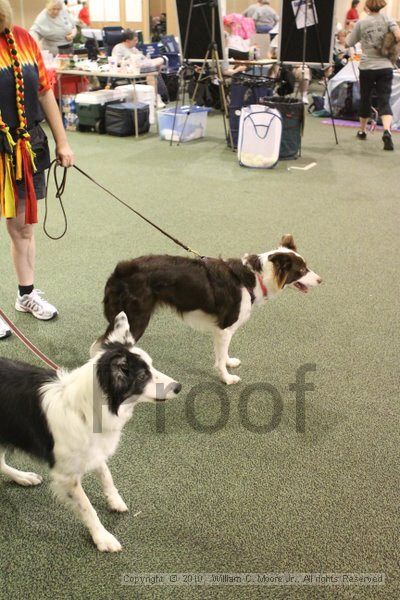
<point>150,80</point>
<point>23,250</point>
<point>363,124</point>
<point>387,136</point>
<point>303,75</point>
<point>387,122</point>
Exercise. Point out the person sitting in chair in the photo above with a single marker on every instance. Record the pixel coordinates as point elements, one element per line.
<point>238,48</point>
<point>127,48</point>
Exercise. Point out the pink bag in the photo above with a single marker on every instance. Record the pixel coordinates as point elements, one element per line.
<point>242,26</point>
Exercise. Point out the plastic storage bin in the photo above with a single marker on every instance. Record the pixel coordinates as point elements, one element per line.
<point>190,123</point>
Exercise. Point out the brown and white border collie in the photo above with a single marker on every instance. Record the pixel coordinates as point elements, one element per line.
<point>211,295</point>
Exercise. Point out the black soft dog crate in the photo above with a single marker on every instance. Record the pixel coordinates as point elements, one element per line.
<point>120,118</point>
<point>345,100</point>
<point>292,111</point>
<point>245,90</point>
<point>92,116</point>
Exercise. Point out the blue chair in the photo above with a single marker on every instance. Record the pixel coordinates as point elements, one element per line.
<point>111,37</point>
<point>172,52</point>
<point>153,50</point>
<point>170,44</point>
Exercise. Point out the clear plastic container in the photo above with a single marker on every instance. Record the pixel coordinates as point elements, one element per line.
<point>189,123</point>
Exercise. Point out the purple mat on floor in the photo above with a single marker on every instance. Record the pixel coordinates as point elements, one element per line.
<point>355,124</point>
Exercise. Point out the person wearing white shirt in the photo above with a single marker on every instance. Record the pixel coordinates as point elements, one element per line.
<point>127,49</point>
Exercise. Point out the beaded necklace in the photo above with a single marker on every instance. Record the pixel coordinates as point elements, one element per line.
<point>17,163</point>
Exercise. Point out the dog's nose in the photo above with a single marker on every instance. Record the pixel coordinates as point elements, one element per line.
<point>319,280</point>
<point>176,388</point>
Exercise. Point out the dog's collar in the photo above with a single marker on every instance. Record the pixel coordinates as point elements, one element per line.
<point>263,289</point>
<point>262,286</point>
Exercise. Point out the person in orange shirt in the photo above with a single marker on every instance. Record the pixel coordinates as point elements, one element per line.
<point>24,155</point>
<point>84,14</point>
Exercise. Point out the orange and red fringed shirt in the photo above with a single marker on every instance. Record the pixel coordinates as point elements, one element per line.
<point>22,78</point>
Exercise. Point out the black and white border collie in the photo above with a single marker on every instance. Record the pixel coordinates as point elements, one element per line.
<point>73,420</point>
<point>211,295</point>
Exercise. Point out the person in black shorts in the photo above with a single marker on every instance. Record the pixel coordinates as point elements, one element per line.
<point>24,154</point>
<point>376,70</point>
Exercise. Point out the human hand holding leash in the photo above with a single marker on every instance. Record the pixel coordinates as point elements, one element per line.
<point>64,154</point>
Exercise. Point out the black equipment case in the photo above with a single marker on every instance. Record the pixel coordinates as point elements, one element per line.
<point>120,118</point>
<point>92,116</point>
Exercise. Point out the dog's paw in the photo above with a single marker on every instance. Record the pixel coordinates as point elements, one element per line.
<point>233,363</point>
<point>231,379</point>
<point>28,479</point>
<point>117,504</point>
<point>106,542</point>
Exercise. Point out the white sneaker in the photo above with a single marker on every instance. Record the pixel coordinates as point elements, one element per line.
<point>305,98</point>
<point>36,305</point>
<point>5,331</point>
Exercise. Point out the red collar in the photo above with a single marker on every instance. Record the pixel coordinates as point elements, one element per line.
<point>262,286</point>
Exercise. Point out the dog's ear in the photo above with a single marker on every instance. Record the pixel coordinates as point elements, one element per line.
<point>121,332</point>
<point>119,371</point>
<point>282,262</point>
<point>113,376</point>
<point>287,241</point>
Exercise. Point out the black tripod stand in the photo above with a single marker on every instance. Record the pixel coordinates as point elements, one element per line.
<point>209,70</point>
<point>310,11</point>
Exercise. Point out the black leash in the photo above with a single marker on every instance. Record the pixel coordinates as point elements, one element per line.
<point>60,188</point>
<point>60,185</point>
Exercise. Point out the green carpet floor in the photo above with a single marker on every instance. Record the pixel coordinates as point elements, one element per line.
<point>325,500</point>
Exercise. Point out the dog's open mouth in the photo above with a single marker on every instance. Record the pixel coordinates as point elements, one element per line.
<point>301,287</point>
